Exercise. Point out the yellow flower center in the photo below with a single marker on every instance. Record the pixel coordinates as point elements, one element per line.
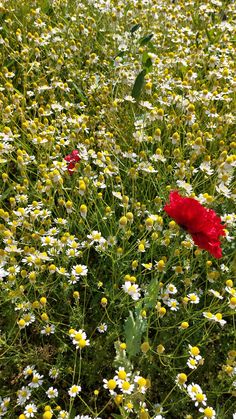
<point>195,351</point>
<point>21,322</point>
<point>208,412</point>
<point>131,289</point>
<point>200,397</point>
<point>118,399</point>
<point>141,382</point>
<point>122,375</point>
<point>78,337</point>
<point>97,236</point>
<point>182,378</point>
<point>111,384</point>
<point>233,301</point>
<point>82,343</point>
<point>125,385</point>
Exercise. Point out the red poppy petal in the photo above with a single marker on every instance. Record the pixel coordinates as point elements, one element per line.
<point>202,241</point>
<point>202,223</point>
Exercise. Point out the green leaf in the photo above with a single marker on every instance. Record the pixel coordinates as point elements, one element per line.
<point>121,359</point>
<point>135,28</point>
<point>148,63</point>
<point>209,34</point>
<point>120,54</point>
<point>150,299</point>
<point>144,57</point>
<point>79,92</point>
<point>146,60</point>
<point>146,39</point>
<point>135,326</point>
<point>138,84</point>
<point>73,412</point>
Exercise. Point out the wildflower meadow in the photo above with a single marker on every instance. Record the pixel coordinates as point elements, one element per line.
<point>117,209</point>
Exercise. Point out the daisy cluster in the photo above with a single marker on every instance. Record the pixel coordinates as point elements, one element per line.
<point>127,389</point>
<point>194,391</point>
<point>117,209</point>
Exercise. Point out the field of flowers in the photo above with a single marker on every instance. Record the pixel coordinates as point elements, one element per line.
<point>117,200</point>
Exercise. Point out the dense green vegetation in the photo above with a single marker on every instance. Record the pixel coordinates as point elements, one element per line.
<point>109,308</point>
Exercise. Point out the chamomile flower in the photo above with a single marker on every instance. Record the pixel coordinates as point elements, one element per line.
<point>36,380</point>
<point>125,386</point>
<point>232,302</point>
<point>208,412</point>
<point>194,351</point>
<point>79,339</point>
<point>52,393</point>
<point>122,374</point>
<point>29,370</point>
<point>62,271</point>
<point>85,417</point>
<point>49,329</point>
<point>196,394</point>
<point>200,399</point>
<point>4,404</point>
<point>28,318</point>
<point>3,273</point>
<point>102,328</point>
<point>216,294</point>
<point>129,406</point>
<point>218,318</point>
<point>208,315</point>
<point>53,372</point>
<point>63,414</point>
<point>193,298</point>
<point>147,266</point>
<point>111,385</point>
<point>193,389</point>
<point>74,390</point>
<point>181,379</point>
<point>132,289</point>
<point>72,253</point>
<point>173,304</point>
<point>141,383</point>
<point>60,221</point>
<point>47,241</point>
<point>23,395</point>
<point>171,289</point>
<point>94,237</point>
<point>192,363</point>
<point>30,410</point>
<point>79,270</point>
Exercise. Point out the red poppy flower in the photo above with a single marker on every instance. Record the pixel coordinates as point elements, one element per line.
<point>202,223</point>
<point>72,159</point>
